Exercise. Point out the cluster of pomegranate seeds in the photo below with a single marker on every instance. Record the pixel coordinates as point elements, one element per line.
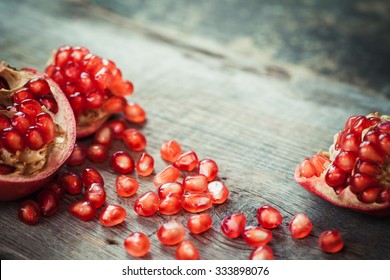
<point>137,244</point>
<point>199,223</point>
<point>186,250</point>
<point>232,226</point>
<point>112,215</point>
<point>330,241</point>
<point>171,233</point>
<point>300,226</point>
<point>269,217</point>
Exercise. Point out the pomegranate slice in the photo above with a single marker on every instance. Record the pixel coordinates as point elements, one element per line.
<point>355,173</point>
<point>36,138</point>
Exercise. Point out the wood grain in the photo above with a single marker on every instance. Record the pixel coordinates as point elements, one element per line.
<point>258,119</point>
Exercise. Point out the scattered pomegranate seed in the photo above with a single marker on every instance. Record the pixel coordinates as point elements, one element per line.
<point>122,162</point>
<point>330,241</point>
<point>117,126</point>
<point>219,192</point>
<point>134,113</point>
<point>269,217</point>
<point>134,139</point>
<point>90,176</point>
<point>262,253</point>
<point>71,182</point>
<point>300,226</point>
<point>196,202</point>
<point>103,137</point>
<point>83,210</point>
<point>112,215</point>
<point>232,226</point>
<point>169,174</point>
<point>146,204</point>
<point>126,186</point>
<point>115,105</point>
<point>78,155</point>
<point>171,233</point>
<point>195,183</point>
<point>170,150</point>
<point>144,165</point>
<point>170,188</point>
<point>97,153</point>
<point>29,212</point>
<point>256,236</point>
<point>96,194</point>
<point>170,205</point>
<point>208,168</point>
<point>56,188</point>
<point>49,203</point>
<point>186,250</point>
<point>187,161</point>
<point>137,244</point>
<point>199,223</point>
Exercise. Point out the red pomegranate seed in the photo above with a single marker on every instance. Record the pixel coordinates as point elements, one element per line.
<point>33,138</point>
<point>12,140</point>
<point>56,188</point>
<point>134,139</point>
<point>78,155</point>
<point>71,182</point>
<point>90,176</point>
<point>170,150</point>
<point>77,101</point>
<point>384,143</point>
<point>170,205</point>
<point>29,212</point>
<point>21,122</point>
<point>186,251</point>
<point>115,105</point>
<point>350,143</point>
<point>6,169</point>
<point>22,94</point>
<point>170,188</point>
<point>187,161</point>
<point>103,137</point>
<point>300,226</point>
<point>195,183</point>
<point>369,152</point>
<point>83,210</point>
<point>171,233</point>
<point>307,169</point>
<point>345,161</point>
<point>47,127</point>
<point>208,168</point>
<point>361,181</point>
<point>367,168</point>
<point>330,241</point>
<point>134,113</point>
<point>122,162</point>
<point>219,192</point>
<point>126,186</point>
<point>370,195</point>
<point>269,217</point>
<point>146,204</point>
<point>232,226</point>
<point>112,215</point>
<point>71,71</point>
<point>169,174</point>
<point>122,88</point>
<point>38,86</point>
<point>199,223</point>
<point>97,153</point>
<point>196,202</point>
<point>256,236</point>
<point>137,244</point>
<point>103,78</point>
<point>85,82</point>
<point>4,122</point>
<point>335,177</point>
<point>49,203</point>
<point>262,253</point>
<point>31,108</point>
<point>96,194</point>
<point>50,103</point>
<point>145,164</point>
<point>117,126</point>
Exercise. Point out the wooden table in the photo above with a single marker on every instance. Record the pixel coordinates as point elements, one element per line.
<point>256,114</point>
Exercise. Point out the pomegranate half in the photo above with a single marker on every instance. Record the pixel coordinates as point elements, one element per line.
<point>355,173</point>
<point>37,131</point>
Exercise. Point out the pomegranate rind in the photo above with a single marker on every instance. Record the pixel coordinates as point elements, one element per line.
<point>16,186</point>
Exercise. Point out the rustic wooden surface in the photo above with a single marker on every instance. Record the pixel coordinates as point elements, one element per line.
<point>257,117</point>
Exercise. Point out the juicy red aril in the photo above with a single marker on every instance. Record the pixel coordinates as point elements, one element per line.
<point>112,215</point>
<point>117,126</point>
<point>262,253</point>
<point>96,194</point>
<point>29,212</point>
<point>330,241</point>
<point>196,202</point>
<point>47,127</point>
<point>208,168</point>
<point>232,226</point>
<point>115,105</point>
<point>33,138</point>
<point>77,101</point>
<point>256,236</point>
<point>38,87</point>
<point>56,188</point>
<point>146,204</point>
<point>71,182</point>
<point>144,165</point>
<point>103,137</point>
<point>199,223</point>
<point>170,150</point>
<point>31,108</point>
<point>219,192</point>
<point>134,139</point>
<point>103,78</point>
<point>122,88</point>
<point>300,226</point>
<point>126,186</point>
<point>195,183</point>
<point>12,140</point>
<point>4,122</point>
<point>269,217</point>
<point>122,162</point>
<point>314,166</point>
<point>361,181</point>
<point>97,153</point>
<point>78,155</point>
<point>83,210</point>
<point>49,203</point>
<point>90,176</point>
<point>171,233</point>
<point>170,188</point>
<point>168,175</point>
<point>370,195</point>
<point>170,205</point>
<point>187,161</point>
<point>369,152</point>
<point>50,103</point>
<point>22,94</point>
<point>336,177</point>
<point>21,122</point>
<point>345,161</point>
<point>137,244</point>
<point>186,251</point>
<point>134,113</point>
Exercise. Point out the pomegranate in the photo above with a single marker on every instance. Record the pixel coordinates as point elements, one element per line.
<point>199,223</point>
<point>186,250</point>
<point>330,241</point>
<point>37,131</point>
<point>29,212</point>
<point>137,244</point>
<point>355,173</point>
<point>171,233</point>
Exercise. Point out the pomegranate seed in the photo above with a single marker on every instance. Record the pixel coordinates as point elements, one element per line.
<point>57,75</point>
<point>199,223</point>
<point>232,226</point>
<point>208,168</point>
<point>196,202</point>
<point>262,253</point>
<point>12,140</point>
<point>97,153</point>
<point>83,210</point>
<point>85,83</point>
<point>187,161</point>
<point>122,162</point>
<point>134,113</point>
<point>170,188</point>
<point>370,195</point>
<point>29,212</point>
<point>269,217</point>
<point>369,152</point>
<point>335,177</point>
<point>90,176</point>
<point>122,88</point>
<point>31,108</point>
<point>195,183</point>
<point>38,87</point>
<point>115,105</point>
<point>117,126</point>
<point>103,78</point>
<point>359,182</point>
<point>170,205</point>
<point>50,103</point>
<point>4,122</point>
<point>307,169</point>
<point>33,138</point>
<point>71,71</point>
<point>345,161</point>
<point>145,164</point>
<point>219,192</point>
<point>78,155</point>
<point>384,143</point>
<point>134,139</point>
<point>171,233</point>
<point>49,203</point>
<point>146,204</point>
<point>170,151</point>
<point>56,188</point>
<point>126,186</point>
<point>77,101</point>
<point>96,194</point>
<point>47,127</point>
<point>62,55</point>
<point>350,143</point>
<point>21,122</point>
<point>300,226</point>
<point>94,99</point>
<point>256,236</point>
<point>168,175</point>
<point>6,169</point>
<point>137,244</point>
<point>22,94</point>
<point>186,251</point>
<point>78,53</point>
<point>330,241</point>
<point>112,215</point>
<point>103,137</point>
<point>367,168</point>
<point>71,182</point>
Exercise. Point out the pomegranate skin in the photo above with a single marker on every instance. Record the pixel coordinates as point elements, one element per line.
<point>16,186</point>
